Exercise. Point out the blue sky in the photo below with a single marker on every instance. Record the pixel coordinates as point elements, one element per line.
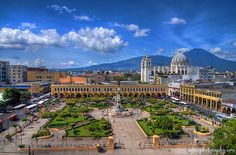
<point>76,33</point>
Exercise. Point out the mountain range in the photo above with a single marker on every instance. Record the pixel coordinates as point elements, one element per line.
<point>197,57</point>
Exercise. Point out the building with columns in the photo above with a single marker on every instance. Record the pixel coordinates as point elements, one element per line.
<point>211,96</point>
<point>179,66</point>
<point>101,90</point>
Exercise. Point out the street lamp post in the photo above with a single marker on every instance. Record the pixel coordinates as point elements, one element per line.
<point>21,138</point>
<point>8,122</point>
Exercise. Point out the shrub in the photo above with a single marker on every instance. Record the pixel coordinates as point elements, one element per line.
<point>21,145</point>
<point>8,136</point>
<point>41,132</point>
<point>25,119</point>
<point>201,129</point>
<point>59,119</point>
<point>48,114</point>
<point>57,124</point>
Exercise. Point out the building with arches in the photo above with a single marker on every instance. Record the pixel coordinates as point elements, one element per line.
<point>99,90</point>
<point>210,96</point>
<point>179,66</point>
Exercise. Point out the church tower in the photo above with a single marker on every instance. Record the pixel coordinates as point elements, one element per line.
<point>145,68</point>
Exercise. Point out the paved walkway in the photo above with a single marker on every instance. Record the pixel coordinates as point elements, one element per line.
<point>127,132</point>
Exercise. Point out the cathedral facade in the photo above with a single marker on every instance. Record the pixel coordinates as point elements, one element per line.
<point>179,65</point>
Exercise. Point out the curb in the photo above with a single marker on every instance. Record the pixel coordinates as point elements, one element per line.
<point>141,129</point>
<point>202,134</point>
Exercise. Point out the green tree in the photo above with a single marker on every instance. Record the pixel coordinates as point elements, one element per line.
<point>164,123</point>
<point>135,77</point>
<point>3,106</point>
<point>15,126</point>
<point>119,78</point>
<point>71,102</point>
<point>25,96</point>
<point>11,96</point>
<point>225,137</point>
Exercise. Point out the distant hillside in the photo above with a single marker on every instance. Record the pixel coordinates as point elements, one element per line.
<point>197,57</point>
<point>202,58</point>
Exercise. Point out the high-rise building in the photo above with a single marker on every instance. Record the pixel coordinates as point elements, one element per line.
<point>17,74</point>
<point>4,72</point>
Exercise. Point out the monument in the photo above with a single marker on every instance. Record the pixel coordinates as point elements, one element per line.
<point>118,109</point>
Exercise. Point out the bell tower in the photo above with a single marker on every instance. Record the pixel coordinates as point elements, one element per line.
<point>146,66</point>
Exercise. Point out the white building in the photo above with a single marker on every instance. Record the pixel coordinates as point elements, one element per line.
<point>4,72</point>
<point>17,74</point>
<point>146,67</point>
<point>179,64</point>
<point>161,69</point>
<point>179,67</point>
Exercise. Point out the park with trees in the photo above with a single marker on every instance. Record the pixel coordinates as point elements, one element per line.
<point>163,120</point>
<point>76,121</point>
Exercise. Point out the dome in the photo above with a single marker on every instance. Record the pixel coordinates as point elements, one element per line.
<point>179,58</point>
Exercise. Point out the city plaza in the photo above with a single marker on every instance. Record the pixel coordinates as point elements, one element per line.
<point>118,118</point>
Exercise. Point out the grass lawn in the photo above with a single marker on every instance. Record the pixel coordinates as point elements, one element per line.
<point>179,119</point>
<point>94,129</point>
<point>150,130</point>
<point>59,122</point>
<point>69,116</point>
<point>147,129</point>
<point>132,105</point>
<point>101,105</point>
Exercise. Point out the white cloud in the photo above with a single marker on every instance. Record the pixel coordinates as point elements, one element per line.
<point>90,63</point>
<point>216,50</point>
<point>38,62</point>
<point>175,21</point>
<point>160,51</point>
<point>27,26</point>
<point>182,50</point>
<point>223,53</point>
<point>135,28</point>
<point>61,9</point>
<point>70,63</point>
<point>15,61</point>
<point>23,39</point>
<point>82,18</point>
<point>96,39</point>
<point>234,44</point>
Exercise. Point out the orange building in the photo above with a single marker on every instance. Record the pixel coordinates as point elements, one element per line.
<point>73,80</point>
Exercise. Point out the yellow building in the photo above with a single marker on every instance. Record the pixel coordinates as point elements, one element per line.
<point>36,88</point>
<point>207,98</point>
<point>45,76</point>
<point>78,91</point>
